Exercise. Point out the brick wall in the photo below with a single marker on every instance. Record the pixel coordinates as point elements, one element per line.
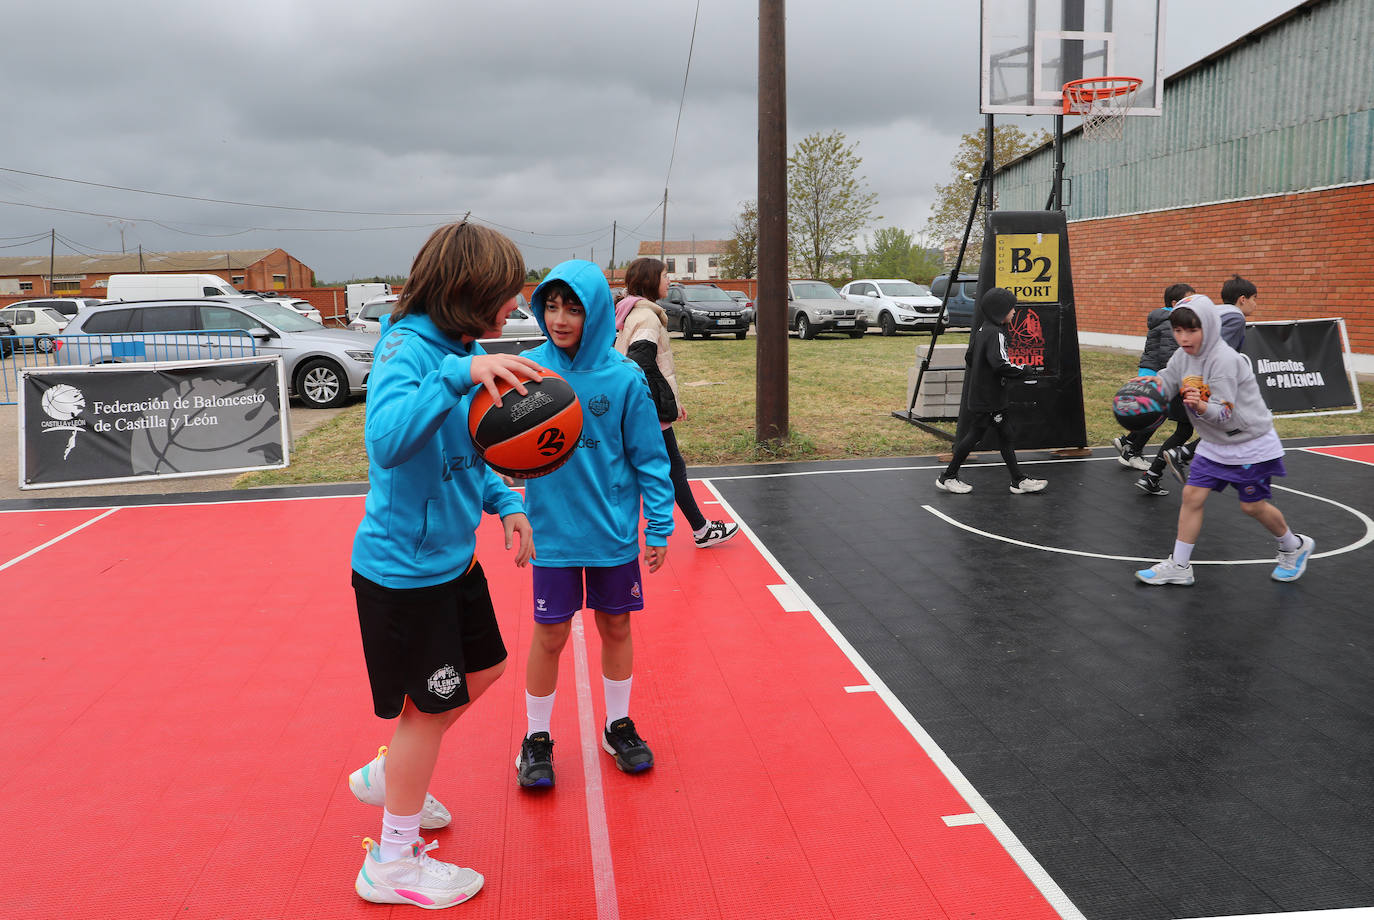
<point>1309,253</point>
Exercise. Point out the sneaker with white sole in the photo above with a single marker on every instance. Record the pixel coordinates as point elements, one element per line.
<point>957,486</point>
<point>369,785</point>
<point>1128,456</point>
<point>1167,572</point>
<point>534,763</point>
<point>418,880</point>
<point>1029,485</point>
<point>622,742</point>
<point>715,532</point>
<point>1149,484</point>
<point>1290,566</point>
<point>1178,459</point>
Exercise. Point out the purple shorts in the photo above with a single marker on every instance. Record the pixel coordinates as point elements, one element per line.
<point>612,589</point>
<point>1251,481</point>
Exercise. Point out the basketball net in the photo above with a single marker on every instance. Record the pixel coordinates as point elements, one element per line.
<point>1103,103</point>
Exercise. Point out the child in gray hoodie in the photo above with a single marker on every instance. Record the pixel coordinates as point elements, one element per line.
<point>1239,445</point>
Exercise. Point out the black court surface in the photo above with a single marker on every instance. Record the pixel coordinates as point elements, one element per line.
<point>1161,752</point>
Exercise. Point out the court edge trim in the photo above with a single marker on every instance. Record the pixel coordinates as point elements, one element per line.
<point>598,831</point>
<point>1036,873</point>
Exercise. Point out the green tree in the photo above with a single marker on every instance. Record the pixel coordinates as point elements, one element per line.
<point>827,203</point>
<point>949,213</point>
<point>895,253</point>
<point>741,256</point>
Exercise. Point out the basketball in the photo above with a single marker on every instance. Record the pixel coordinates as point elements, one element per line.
<point>1138,405</point>
<point>526,436</point>
<point>63,402</point>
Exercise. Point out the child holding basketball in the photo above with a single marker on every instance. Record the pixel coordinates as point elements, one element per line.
<point>1239,445</point>
<point>1159,347</point>
<point>587,512</point>
<point>429,632</point>
<point>988,371</point>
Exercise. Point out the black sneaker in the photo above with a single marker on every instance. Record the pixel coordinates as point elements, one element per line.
<point>715,532</point>
<point>534,765</point>
<point>1150,485</point>
<point>1177,458</point>
<point>623,743</point>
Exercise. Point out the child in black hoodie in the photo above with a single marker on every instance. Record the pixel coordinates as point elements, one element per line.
<point>988,371</point>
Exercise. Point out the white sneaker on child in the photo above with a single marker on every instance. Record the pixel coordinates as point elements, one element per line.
<point>957,486</point>
<point>1167,572</point>
<point>715,532</point>
<point>417,879</point>
<point>368,783</point>
<point>1029,485</point>
<point>1291,565</point>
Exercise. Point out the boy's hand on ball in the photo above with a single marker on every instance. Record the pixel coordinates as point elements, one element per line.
<point>486,370</point>
<point>517,524</point>
<point>654,556</point>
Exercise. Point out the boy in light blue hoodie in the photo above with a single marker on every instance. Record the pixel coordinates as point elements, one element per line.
<point>586,515</point>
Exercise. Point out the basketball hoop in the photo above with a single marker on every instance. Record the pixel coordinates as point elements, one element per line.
<point>1103,102</point>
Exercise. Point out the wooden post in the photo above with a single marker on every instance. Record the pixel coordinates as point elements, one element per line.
<point>770,386</point>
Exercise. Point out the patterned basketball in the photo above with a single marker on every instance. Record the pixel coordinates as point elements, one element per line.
<point>1138,405</point>
<point>526,436</point>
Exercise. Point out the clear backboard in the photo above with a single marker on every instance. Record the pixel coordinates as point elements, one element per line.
<point>1031,48</point>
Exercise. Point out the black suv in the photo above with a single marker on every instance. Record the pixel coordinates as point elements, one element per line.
<point>704,310</point>
<point>961,299</point>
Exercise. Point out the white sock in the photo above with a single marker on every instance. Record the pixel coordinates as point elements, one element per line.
<point>538,712</point>
<point>702,530</point>
<point>1289,542</point>
<point>398,833</point>
<point>617,698</point>
<point>1183,552</point>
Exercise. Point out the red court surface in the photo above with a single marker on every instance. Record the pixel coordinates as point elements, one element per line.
<point>184,696</point>
<point>1360,453</point>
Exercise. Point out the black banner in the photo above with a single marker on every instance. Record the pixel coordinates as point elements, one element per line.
<point>1300,366</point>
<point>117,422</point>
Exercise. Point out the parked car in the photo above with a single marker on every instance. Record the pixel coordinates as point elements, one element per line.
<point>520,324</point>
<point>893,303</point>
<point>745,301</point>
<point>961,299</point>
<point>43,323</point>
<point>814,307</point>
<point>67,306</point>
<point>704,310</point>
<point>303,307</point>
<point>8,345</point>
<point>369,318</point>
<point>323,366</point>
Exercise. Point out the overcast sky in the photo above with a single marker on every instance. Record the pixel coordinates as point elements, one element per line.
<point>545,119</point>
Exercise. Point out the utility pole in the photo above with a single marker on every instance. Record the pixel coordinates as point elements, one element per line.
<point>613,225</point>
<point>770,387</point>
<point>52,258</point>
<point>663,233</point>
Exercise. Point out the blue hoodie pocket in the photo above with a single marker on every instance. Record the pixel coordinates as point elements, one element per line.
<point>428,525</point>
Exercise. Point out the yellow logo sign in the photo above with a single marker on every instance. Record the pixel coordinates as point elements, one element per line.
<point>1028,266</point>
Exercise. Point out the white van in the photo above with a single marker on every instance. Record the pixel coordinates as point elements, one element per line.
<point>165,287</point>
<point>357,294</point>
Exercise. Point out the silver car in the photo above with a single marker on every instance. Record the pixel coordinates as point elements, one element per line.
<point>323,366</point>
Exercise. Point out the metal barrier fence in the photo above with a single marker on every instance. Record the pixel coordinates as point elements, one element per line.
<point>19,351</point>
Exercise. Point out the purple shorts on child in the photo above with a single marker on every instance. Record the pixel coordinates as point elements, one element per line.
<point>1251,480</point>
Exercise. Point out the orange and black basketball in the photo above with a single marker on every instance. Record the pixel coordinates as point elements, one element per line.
<point>526,436</point>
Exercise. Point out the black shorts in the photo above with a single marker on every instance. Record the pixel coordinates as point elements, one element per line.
<point>422,642</point>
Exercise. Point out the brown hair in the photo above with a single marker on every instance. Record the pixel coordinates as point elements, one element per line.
<point>1185,318</point>
<point>461,277</point>
<point>642,278</point>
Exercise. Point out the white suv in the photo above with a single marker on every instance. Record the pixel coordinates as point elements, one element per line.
<point>893,303</point>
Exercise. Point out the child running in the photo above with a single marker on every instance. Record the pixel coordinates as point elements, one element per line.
<point>1159,348</point>
<point>988,371</point>
<point>1239,446</point>
<point>429,632</point>
<point>587,512</point>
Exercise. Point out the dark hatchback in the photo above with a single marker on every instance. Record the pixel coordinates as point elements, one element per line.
<point>704,310</point>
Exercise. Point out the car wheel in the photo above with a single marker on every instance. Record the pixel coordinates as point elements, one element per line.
<point>888,323</point>
<point>320,384</point>
<point>741,334</point>
<point>804,328</point>
<point>856,335</point>
<point>43,344</point>
<point>687,331</point>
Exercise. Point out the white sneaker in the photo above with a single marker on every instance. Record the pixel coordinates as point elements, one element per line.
<point>715,532</point>
<point>1167,572</point>
<point>1029,485</point>
<point>416,879</point>
<point>369,785</point>
<point>1128,457</point>
<point>957,486</point>
<point>1291,565</point>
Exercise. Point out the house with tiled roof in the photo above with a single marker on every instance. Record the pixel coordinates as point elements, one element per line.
<point>687,260</point>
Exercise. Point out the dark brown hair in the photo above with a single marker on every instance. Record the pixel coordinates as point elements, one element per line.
<point>642,278</point>
<point>1176,292</point>
<point>1185,318</point>
<point>461,277</point>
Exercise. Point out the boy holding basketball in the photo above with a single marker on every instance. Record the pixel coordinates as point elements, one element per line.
<point>1159,348</point>
<point>586,514</point>
<point>1239,445</point>
<point>429,632</point>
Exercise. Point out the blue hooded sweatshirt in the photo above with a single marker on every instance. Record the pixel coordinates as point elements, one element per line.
<point>586,512</point>
<point>427,485</point>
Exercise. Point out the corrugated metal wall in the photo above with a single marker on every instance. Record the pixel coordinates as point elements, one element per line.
<point>1291,109</point>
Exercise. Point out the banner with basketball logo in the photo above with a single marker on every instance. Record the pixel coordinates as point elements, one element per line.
<point>125,422</point>
<point>1301,367</point>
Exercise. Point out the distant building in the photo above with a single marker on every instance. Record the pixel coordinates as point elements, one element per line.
<point>81,275</point>
<point>688,260</point>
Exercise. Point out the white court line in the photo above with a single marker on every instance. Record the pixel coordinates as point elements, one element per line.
<point>787,598</point>
<point>38,549</point>
<point>860,688</point>
<point>603,869</point>
<point>961,820</point>
<point>1347,913</point>
<point>1015,849</point>
<point>1349,547</point>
